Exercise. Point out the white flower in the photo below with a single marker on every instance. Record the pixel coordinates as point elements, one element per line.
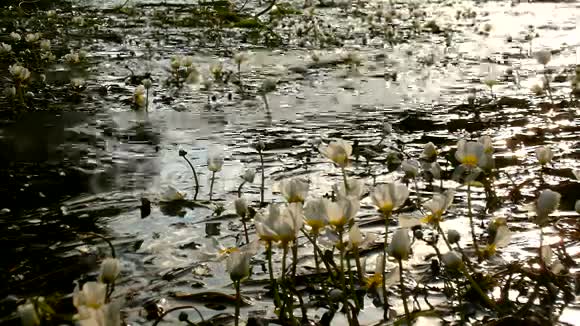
<point>544,155</point>
<point>19,73</point>
<point>338,152</point>
<point>28,315</point>
<point>410,167</point>
<point>502,238</point>
<point>265,225</point>
<point>147,83</point>
<point>171,194</point>
<point>486,161</point>
<point>390,196</point>
<point>238,265</point>
<point>576,174</point>
<point>10,91</point>
<point>547,203</point>
<point>355,237</point>
<point>438,205</point>
<point>240,58</point>
<point>187,61</point>
<point>491,78</point>
<point>290,222</point>
<point>429,152</point>
<point>452,260</point>
<point>92,295</point>
<point>294,190</point>
<point>340,213</point>
<point>176,62</point>
<point>249,175</point>
<point>215,161</point>
<point>140,97</point>
<point>553,264</point>
<point>434,168</point>
<point>110,268</point>
<point>5,48</point>
<point>577,206</point>
<point>453,236</point>
<point>355,189</point>
<point>469,153</point>
<point>15,37</point>
<point>31,38</point>
<point>241,207</point>
<point>280,225</point>
<point>400,245</point>
<point>387,128</point>
<point>315,214</point>
<point>543,57</point>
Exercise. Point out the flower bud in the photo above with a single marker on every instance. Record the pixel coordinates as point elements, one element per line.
<point>452,260</point>
<point>400,244</point>
<point>241,207</point>
<point>249,175</point>
<point>453,236</point>
<point>28,315</point>
<point>544,155</point>
<point>110,268</point>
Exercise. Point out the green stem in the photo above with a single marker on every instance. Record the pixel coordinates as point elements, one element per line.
<point>403,292</point>
<point>358,264</point>
<point>271,272</point>
<point>476,287</point>
<point>194,177</point>
<point>341,255</point>
<point>238,302</point>
<point>147,101</point>
<point>283,285</point>
<point>466,259</point>
<point>245,230</point>
<point>344,180</point>
<point>385,249</point>
<point>548,85</point>
<point>294,259</point>
<point>470,214</point>
<point>263,179</point>
<point>542,262</point>
<point>352,287</point>
<point>211,185</point>
<point>240,189</point>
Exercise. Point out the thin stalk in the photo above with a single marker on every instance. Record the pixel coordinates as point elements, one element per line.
<point>240,189</point>
<point>271,272</point>
<point>341,255</point>
<point>263,178</point>
<point>294,259</point>
<point>283,277</point>
<point>418,195</point>
<point>476,287</point>
<point>548,85</point>
<point>316,248</point>
<point>351,281</point>
<point>211,185</point>
<point>194,177</point>
<point>440,230</point>
<point>238,302</point>
<point>384,284</point>
<point>147,100</point>
<point>466,259</point>
<point>403,292</point>
<point>470,214</point>
<point>358,264</point>
<point>245,230</point>
<point>266,104</point>
<point>542,263</point>
<point>344,180</point>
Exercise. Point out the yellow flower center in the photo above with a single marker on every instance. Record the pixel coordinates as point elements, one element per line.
<point>339,222</point>
<point>295,199</point>
<point>470,160</point>
<point>227,251</point>
<point>374,281</point>
<point>431,219</point>
<point>315,225</point>
<point>386,208</point>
